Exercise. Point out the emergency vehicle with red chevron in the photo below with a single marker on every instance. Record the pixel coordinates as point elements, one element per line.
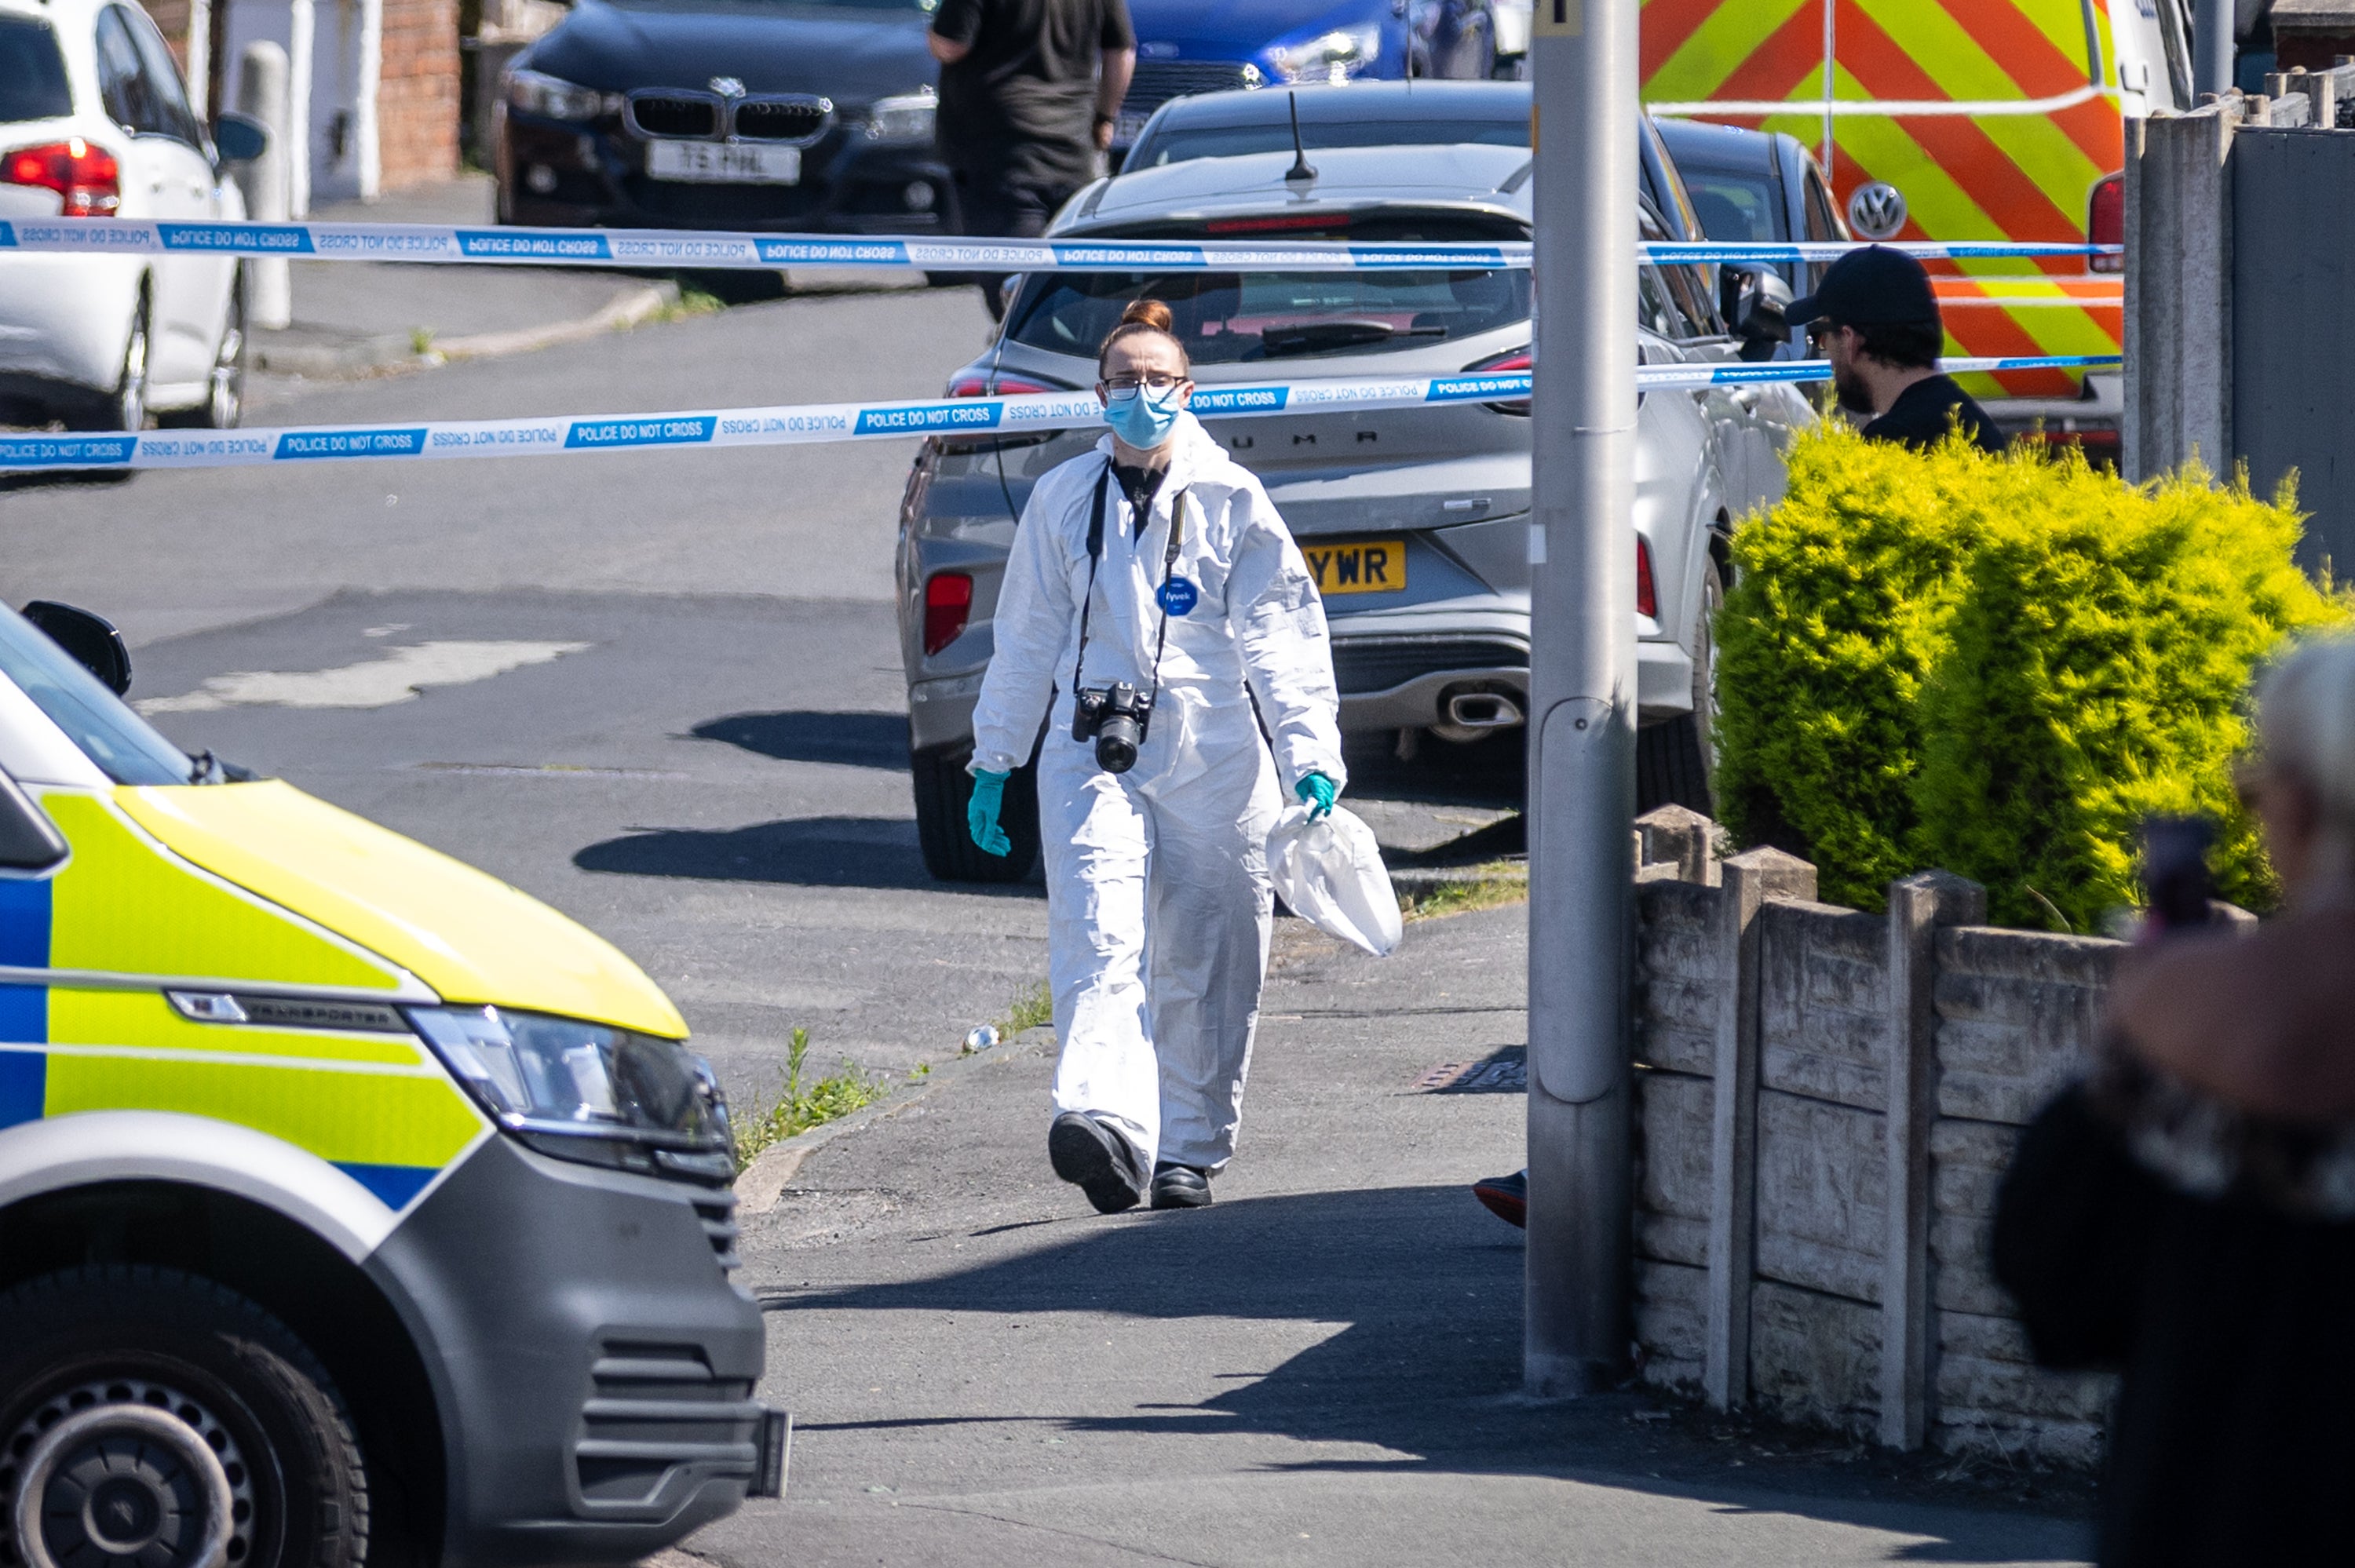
<point>1957,120</point>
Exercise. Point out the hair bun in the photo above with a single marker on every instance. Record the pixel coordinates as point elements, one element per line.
<point>1148,313</point>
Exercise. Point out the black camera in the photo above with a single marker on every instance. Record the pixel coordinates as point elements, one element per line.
<point>1116,717</point>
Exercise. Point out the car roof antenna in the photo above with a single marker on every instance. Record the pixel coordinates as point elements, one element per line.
<point>1302,174</point>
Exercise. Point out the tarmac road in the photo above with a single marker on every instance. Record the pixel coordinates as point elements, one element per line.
<point>713,774</point>
<point>661,692</point>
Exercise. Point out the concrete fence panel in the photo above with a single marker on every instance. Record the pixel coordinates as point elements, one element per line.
<point>1826,1103</point>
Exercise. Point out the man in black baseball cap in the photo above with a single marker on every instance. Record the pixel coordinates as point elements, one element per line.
<point>1875,318</point>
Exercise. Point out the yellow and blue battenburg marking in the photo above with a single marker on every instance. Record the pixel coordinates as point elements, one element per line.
<point>126,919</point>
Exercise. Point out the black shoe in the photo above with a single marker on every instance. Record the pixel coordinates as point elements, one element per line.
<point>1507,1197</point>
<point>1180,1186</point>
<point>1096,1159</point>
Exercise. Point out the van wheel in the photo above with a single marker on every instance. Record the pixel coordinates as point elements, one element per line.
<point>943,790</point>
<point>1676,762</point>
<point>153,1418</point>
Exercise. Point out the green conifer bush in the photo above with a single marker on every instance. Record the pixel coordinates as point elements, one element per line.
<point>2095,672</point>
<point>1834,622</point>
<point>1999,666</point>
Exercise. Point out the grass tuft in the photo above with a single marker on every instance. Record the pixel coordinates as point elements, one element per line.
<point>692,302</point>
<point>1491,886</point>
<point>1032,1009</point>
<point>801,1106</point>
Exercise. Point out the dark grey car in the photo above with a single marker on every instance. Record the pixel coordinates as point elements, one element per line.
<point>1416,520</point>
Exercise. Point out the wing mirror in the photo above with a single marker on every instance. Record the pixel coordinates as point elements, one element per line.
<point>241,138</point>
<point>90,640</point>
<point>1753,302</point>
<point>28,840</point>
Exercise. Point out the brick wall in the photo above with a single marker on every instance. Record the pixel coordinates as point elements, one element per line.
<point>417,103</point>
<point>171,18</point>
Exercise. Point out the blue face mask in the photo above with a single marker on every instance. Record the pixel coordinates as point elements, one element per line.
<point>1144,419</point>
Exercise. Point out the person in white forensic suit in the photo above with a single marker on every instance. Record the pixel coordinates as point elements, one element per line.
<point>1155,815</point>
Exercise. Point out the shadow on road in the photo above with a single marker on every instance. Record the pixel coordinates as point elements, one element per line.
<point>852,740</point>
<point>1428,1365</point>
<point>810,852</point>
<point>804,852</point>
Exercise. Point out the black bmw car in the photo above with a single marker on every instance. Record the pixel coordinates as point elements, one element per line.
<point>790,114</point>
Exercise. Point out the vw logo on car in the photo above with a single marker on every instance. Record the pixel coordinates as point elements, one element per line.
<point>1877,210</point>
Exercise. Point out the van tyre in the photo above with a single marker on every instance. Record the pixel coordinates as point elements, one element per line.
<point>943,790</point>
<point>1676,762</point>
<point>153,1417</point>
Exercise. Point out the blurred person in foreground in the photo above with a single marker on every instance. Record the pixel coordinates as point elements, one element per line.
<point>2186,1215</point>
<point>1030,91</point>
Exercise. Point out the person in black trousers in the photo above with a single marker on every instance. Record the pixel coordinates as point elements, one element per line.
<point>1030,91</point>
<point>2186,1215</point>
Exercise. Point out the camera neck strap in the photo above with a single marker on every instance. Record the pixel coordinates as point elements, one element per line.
<point>1095,554</point>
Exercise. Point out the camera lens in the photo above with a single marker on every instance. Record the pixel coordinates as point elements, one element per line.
<point>1116,744</point>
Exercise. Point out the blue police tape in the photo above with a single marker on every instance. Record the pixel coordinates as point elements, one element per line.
<point>798,424</point>
<point>414,242</point>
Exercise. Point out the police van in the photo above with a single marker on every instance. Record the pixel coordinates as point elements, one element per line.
<point>354,1205</point>
<point>2003,119</point>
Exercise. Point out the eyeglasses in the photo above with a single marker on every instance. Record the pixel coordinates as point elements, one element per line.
<point>1157,381</point>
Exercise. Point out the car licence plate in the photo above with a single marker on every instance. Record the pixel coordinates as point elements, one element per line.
<point>723,163</point>
<point>1370,566</point>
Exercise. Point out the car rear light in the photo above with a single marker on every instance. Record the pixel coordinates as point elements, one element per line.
<point>1519,361</point>
<point>948,602</point>
<point>2106,222</point>
<point>1647,597</point>
<point>87,182</point>
<point>971,384</point>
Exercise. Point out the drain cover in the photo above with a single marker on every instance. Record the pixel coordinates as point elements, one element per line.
<point>1506,1071</point>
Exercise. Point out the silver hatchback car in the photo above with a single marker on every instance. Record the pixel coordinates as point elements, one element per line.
<point>1416,520</point>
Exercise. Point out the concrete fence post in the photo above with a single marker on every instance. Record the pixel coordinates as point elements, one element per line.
<point>1677,837</point>
<point>1749,880</point>
<point>1918,906</point>
<point>261,93</point>
<point>2178,305</point>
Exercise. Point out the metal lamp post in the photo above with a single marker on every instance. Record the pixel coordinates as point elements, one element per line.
<point>1581,782</point>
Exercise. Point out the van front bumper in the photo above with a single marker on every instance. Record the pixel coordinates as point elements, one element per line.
<point>593,1365</point>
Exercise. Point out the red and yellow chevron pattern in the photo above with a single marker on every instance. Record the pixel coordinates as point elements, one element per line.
<point>1991,116</point>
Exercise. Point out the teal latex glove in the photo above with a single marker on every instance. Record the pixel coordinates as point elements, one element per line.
<point>1319,793</point>
<point>981,815</point>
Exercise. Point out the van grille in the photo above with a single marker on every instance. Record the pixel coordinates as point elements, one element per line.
<point>1365,665</point>
<point>658,1423</point>
<point>718,1217</point>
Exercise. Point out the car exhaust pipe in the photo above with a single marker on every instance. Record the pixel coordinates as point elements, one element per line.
<point>1472,715</point>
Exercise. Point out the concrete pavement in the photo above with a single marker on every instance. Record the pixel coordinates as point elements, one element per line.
<point>1319,1370</point>
<point>351,318</point>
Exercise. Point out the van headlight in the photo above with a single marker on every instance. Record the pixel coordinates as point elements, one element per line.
<point>901,121</point>
<point>553,98</point>
<point>588,1091</point>
<point>1336,56</point>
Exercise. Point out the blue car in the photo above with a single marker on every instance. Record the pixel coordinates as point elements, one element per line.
<point>1185,46</point>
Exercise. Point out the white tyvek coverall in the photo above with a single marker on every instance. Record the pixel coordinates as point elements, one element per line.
<point>1157,892</point>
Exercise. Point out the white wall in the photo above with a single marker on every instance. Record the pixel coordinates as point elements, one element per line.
<point>335,84</point>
